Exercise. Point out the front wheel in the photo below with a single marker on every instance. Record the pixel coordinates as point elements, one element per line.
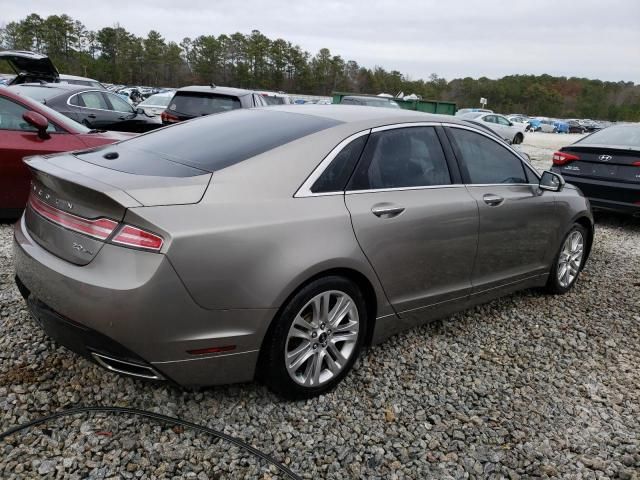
<point>315,340</point>
<point>517,140</point>
<point>568,262</point>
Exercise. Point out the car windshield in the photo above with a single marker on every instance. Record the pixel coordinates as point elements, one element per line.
<point>620,135</point>
<point>156,101</point>
<point>197,104</point>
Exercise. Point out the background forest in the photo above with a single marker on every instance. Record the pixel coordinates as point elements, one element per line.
<point>253,60</point>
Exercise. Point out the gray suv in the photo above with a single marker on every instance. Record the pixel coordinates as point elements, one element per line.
<point>276,242</point>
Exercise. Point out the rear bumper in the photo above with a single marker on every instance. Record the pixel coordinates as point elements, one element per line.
<point>616,196</point>
<point>132,306</point>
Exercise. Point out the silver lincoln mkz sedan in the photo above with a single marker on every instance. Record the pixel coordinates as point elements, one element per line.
<point>276,242</point>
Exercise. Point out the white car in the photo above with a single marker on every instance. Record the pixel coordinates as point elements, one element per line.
<point>276,98</point>
<point>156,104</point>
<point>548,126</point>
<point>501,125</point>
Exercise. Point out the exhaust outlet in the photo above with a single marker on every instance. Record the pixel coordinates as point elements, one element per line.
<point>126,368</point>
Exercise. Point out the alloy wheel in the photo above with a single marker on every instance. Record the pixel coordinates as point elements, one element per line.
<point>570,258</point>
<point>322,338</point>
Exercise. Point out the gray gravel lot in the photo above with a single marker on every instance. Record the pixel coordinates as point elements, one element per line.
<point>529,386</point>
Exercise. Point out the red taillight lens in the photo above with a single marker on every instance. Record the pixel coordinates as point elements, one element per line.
<point>167,117</point>
<point>137,238</point>
<point>636,164</point>
<point>561,158</point>
<point>100,228</point>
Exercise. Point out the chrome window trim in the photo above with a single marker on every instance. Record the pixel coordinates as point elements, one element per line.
<point>502,144</point>
<point>401,189</point>
<point>99,109</point>
<point>405,125</point>
<point>305,188</point>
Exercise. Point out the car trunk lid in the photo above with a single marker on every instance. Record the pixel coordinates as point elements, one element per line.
<point>30,64</point>
<point>603,162</point>
<point>75,206</point>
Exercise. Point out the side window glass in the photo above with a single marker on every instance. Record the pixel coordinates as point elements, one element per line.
<point>119,105</point>
<point>77,101</point>
<point>402,157</point>
<point>531,177</point>
<point>502,121</point>
<point>11,118</point>
<point>94,100</point>
<point>336,175</point>
<point>486,161</point>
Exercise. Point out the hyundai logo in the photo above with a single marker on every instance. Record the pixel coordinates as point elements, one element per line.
<point>605,158</point>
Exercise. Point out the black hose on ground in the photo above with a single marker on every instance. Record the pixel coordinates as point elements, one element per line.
<point>154,416</point>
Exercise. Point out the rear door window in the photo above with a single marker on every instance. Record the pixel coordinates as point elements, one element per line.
<point>402,158</point>
<point>94,100</point>
<point>196,104</point>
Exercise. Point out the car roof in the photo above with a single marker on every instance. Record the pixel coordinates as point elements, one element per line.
<point>357,113</point>
<point>64,76</point>
<point>238,92</point>
<point>56,86</point>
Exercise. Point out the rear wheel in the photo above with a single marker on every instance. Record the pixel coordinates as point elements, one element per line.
<point>517,140</point>
<point>568,262</point>
<point>316,339</point>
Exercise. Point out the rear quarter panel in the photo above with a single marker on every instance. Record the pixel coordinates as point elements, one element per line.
<point>249,243</point>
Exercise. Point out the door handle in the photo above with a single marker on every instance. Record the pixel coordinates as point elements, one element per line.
<point>91,115</point>
<point>492,200</point>
<point>387,211</point>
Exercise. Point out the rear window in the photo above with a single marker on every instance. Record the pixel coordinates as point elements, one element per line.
<point>40,94</point>
<point>622,135</point>
<point>218,141</point>
<point>196,104</point>
<point>273,100</point>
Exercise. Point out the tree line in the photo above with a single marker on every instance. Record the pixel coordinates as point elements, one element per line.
<point>114,55</point>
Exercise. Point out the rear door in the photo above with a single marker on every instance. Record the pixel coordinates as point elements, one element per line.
<point>415,223</point>
<point>517,219</point>
<point>93,110</point>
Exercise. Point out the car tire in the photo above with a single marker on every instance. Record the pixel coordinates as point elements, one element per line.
<point>569,261</point>
<point>517,140</point>
<point>300,357</point>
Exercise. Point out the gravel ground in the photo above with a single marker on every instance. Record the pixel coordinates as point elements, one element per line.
<point>528,386</point>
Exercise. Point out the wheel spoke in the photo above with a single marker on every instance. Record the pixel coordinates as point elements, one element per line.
<point>301,357</point>
<point>336,353</point>
<point>332,364</point>
<point>339,311</point>
<point>317,367</point>
<point>345,337</point>
<point>301,322</point>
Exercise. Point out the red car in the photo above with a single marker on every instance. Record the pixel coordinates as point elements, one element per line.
<point>30,128</point>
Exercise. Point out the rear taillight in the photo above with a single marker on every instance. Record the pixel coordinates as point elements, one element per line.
<point>137,238</point>
<point>636,164</point>
<point>562,158</point>
<point>167,117</point>
<point>100,228</point>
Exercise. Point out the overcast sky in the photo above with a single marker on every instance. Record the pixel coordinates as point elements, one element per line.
<point>453,38</point>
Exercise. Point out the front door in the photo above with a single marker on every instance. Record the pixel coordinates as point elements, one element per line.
<point>417,228</point>
<point>517,219</point>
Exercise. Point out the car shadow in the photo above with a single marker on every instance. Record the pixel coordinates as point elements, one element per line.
<point>616,220</point>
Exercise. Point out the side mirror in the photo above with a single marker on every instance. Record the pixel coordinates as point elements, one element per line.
<point>37,121</point>
<point>551,181</point>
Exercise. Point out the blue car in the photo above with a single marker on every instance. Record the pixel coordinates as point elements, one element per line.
<point>563,127</point>
<point>534,124</point>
